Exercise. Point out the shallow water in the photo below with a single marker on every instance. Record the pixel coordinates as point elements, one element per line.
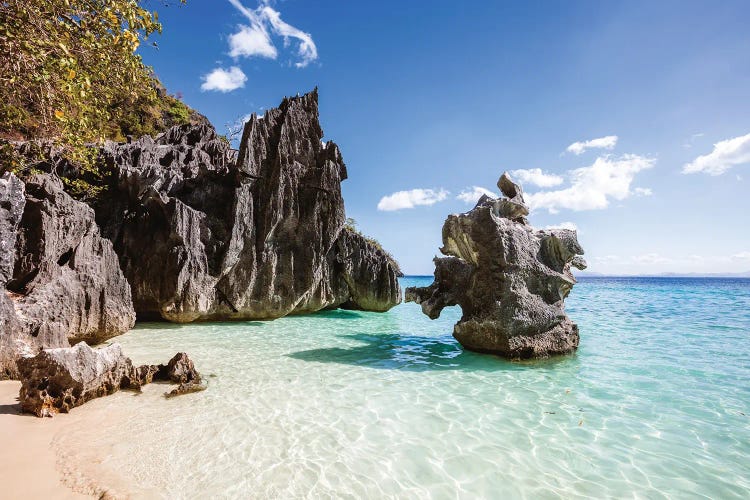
<point>655,404</point>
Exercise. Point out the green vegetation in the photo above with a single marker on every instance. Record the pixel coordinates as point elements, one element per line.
<point>70,74</point>
<point>351,225</point>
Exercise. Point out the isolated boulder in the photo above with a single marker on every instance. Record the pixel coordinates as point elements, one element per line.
<point>57,380</point>
<point>257,233</point>
<point>509,279</point>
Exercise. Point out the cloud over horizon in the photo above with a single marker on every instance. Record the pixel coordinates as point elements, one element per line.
<point>224,80</point>
<point>725,155</point>
<point>255,39</point>
<point>580,147</point>
<point>536,177</point>
<point>472,194</point>
<point>592,187</point>
<point>411,198</point>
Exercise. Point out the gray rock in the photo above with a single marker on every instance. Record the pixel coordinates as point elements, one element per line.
<point>12,202</point>
<point>12,340</point>
<point>509,279</point>
<point>66,281</point>
<point>206,233</point>
<point>58,380</point>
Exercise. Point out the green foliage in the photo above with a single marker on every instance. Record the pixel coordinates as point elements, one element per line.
<point>350,224</point>
<point>69,73</point>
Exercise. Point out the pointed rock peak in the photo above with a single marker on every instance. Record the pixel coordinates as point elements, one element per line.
<point>510,188</point>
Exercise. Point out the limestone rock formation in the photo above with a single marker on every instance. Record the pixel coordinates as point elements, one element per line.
<point>61,281</point>
<point>58,380</point>
<point>12,201</point>
<point>509,279</point>
<point>204,233</point>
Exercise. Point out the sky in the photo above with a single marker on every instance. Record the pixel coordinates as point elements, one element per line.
<point>629,121</point>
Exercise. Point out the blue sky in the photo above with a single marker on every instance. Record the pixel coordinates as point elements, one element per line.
<point>636,114</point>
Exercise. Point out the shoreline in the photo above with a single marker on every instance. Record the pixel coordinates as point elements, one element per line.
<point>27,457</point>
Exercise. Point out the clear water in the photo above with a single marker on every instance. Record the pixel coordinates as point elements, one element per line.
<point>655,404</point>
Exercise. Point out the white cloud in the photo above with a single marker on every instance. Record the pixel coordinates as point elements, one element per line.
<point>607,142</point>
<point>536,177</point>
<point>255,40</point>
<point>564,225</point>
<point>726,154</point>
<point>592,187</point>
<point>411,199</point>
<point>252,41</point>
<point>608,258</point>
<point>472,194</point>
<point>643,191</point>
<point>649,258</point>
<point>741,256</point>
<point>224,80</point>
<point>691,140</point>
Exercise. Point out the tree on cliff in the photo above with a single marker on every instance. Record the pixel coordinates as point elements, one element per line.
<point>69,71</point>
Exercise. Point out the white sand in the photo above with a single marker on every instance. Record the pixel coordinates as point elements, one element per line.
<point>27,460</point>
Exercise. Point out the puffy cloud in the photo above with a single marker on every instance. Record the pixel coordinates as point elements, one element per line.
<point>411,199</point>
<point>591,188</point>
<point>223,80</point>
<point>537,177</point>
<point>252,41</point>
<point>472,194</point>
<point>564,225</point>
<point>580,147</point>
<point>255,39</point>
<point>726,154</point>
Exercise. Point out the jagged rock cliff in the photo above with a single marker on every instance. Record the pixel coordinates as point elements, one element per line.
<point>185,229</point>
<point>206,234</point>
<point>61,282</point>
<point>509,279</point>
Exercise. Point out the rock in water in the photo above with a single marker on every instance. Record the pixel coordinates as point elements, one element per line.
<point>204,233</point>
<point>509,279</point>
<point>57,380</point>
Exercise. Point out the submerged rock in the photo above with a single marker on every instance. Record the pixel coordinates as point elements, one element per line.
<point>58,380</point>
<point>206,233</point>
<point>509,279</point>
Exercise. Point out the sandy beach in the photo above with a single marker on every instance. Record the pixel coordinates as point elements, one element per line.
<point>27,458</point>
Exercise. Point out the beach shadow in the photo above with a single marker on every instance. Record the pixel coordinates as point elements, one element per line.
<point>14,409</point>
<point>400,351</point>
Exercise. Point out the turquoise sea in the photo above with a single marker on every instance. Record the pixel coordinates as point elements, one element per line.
<point>655,404</point>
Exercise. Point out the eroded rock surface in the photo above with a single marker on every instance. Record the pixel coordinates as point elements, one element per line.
<point>206,233</point>
<point>60,281</point>
<point>509,279</point>
<point>67,281</point>
<point>12,201</point>
<point>58,380</point>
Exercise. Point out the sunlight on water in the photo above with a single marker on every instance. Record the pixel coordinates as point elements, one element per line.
<point>655,404</point>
